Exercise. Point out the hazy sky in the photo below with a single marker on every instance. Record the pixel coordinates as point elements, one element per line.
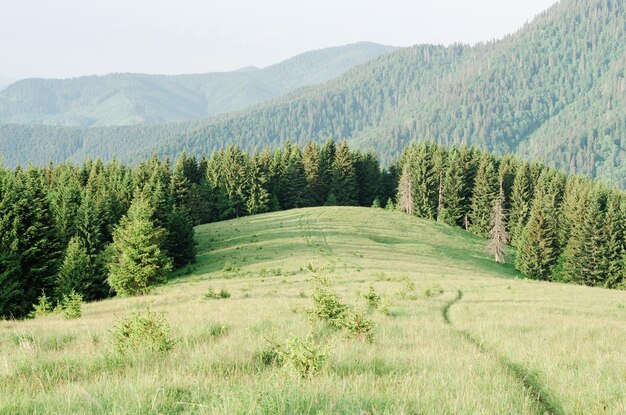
<point>64,38</point>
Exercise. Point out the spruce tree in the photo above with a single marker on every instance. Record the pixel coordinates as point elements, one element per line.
<point>538,250</point>
<point>452,197</point>
<point>484,193</point>
<point>585,253</point>
<point>257,196</point>
<point>139,262</point>
<point>180,244</point>
<point>368,177</point>
<point>344,185</point>
<point>327,158</point>
<point>521,199</point>
<point>294,183</point>
<point>74,274</point>
<point>615,231</point>
<point>314,180</point>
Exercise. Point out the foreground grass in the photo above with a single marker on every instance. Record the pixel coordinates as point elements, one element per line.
<point>504,345</point>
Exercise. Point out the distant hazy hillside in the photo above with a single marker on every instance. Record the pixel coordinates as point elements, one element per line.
<point>554,91</point>
<point>125,99</point>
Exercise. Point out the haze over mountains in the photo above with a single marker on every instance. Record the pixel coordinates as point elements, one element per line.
<point>126,99</point>
<point>553,91</point>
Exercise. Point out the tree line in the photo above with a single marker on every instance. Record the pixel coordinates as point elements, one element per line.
<point>101,229</point>
<point>564,228</point>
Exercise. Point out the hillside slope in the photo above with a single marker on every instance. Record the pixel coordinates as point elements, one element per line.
<point>457,333</point>
<point>123,99</point>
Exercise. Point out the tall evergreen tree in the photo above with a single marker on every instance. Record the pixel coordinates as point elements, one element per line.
<point>344,185</point>
<point>314,180</point>
<point>179,243</point>
<point>521,199</point>
<point>485,192</point>
<point>294,183</point>
<point>538,250</point>
<point>139,262</point>
<point>452,197</point>
<point>74,274</point>
<point>257,196</point>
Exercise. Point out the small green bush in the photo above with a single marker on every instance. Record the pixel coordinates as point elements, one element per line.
<point>358,325</point>
<point>326,304</point>
<point>307,357</point>
<point>211,294</point>
<point>71,305</point>
<point>42,308</point>
<point>372,298</point>
<point>434,291</point>
<point>230,267</point>
<point>143,332</point>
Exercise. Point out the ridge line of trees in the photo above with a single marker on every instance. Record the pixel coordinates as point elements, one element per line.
<point>101,229</point>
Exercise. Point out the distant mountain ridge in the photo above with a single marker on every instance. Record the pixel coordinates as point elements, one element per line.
<point>553,91</point>
<point>129,99</point>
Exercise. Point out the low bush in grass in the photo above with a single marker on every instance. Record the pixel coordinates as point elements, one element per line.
<point>146,331</point>
<point>71,305</point>
<point>305,356</point>
<point>326,303</point>
<point>433,291</point>
<point>211,294</point>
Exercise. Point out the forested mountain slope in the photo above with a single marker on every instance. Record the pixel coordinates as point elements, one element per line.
<point>125,99</point>
<point>553,91</point>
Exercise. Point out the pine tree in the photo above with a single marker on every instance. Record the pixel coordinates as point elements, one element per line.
<point>485,192</point>
<point>499,236</point>
<point>139,262</point>
<point>74,274</point>
<point>294,183</point>
<point>538,250</point>
<point>615,231</point>
<point>180,243</point>
<point>424,179</point>
<point>327,158</point>
<point>314,180</point>
<point>405,192</point>
<point>257,196</point>
<point>451,211</point>
<point>368,177</point>
<point>521,199</point>
<point>585,253</point>
<point>344,183</point>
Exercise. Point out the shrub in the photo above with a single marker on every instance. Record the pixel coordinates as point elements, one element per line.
<point>143,332</point>
<point>433,291</point>
<point>42,308</point>
<point>71,305</point>
<point>358,325</point>
<point>306,356</point>
<point>230,267</point>
<point>372,298</point>
<point>326,304</point>
<point>211,294</point>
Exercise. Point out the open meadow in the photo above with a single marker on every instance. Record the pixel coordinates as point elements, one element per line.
<point>453,331</point>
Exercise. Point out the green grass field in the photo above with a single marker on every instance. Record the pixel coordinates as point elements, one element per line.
<point>490,343</point>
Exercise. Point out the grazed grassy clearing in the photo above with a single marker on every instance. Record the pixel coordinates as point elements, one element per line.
<point>570,338</point>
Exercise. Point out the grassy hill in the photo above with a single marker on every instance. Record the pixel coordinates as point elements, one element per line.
<point>128,99</point>
<point>457,333</point>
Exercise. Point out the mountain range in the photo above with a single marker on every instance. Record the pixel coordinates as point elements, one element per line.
<point>554,91</point>
<point>127,99</point>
